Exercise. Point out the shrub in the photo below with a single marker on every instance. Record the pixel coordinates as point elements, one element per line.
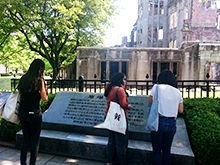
<point>45,105</point>
<point>8,130</point>
<point>203,124</point>
<point>6,74</point>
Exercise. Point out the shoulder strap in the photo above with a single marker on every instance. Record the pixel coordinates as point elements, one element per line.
<point>156,93</point>
<point>116,95</point>
<point>16,87</point>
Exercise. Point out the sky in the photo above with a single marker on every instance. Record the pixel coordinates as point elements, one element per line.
<point>123,23</point>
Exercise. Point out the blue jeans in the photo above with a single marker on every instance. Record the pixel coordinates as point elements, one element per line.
<point>162,140</point>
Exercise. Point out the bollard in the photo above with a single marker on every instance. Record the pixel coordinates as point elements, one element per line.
<point>81,78</point>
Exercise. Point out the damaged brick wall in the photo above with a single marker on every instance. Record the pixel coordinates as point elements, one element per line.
<point>204,21</point>
<point>205,34</point>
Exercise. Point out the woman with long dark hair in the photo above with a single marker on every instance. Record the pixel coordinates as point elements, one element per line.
<point>32,88</point>
<point>170,103</point>
<point>117,141</point>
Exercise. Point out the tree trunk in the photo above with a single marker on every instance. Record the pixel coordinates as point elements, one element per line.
<point>55,72</point>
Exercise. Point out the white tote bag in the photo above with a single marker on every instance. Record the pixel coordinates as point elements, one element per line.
<point>115,119</point>
<point>10,111</point>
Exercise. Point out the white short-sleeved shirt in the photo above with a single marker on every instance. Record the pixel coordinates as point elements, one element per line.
<point>169,99</point>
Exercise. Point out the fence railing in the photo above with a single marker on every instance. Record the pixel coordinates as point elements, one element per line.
<point>188,88</point>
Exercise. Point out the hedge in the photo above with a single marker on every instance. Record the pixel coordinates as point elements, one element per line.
<point>202,117</point>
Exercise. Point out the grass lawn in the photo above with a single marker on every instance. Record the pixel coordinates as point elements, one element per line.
<point>5,82</point>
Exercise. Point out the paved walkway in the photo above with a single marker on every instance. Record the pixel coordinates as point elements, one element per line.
<point>11,156</point>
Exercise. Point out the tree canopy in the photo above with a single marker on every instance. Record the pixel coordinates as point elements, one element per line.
<point>14,54</point>
<point>55,28</point>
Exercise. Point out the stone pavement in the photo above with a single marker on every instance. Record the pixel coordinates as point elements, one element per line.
<point>11,156</point>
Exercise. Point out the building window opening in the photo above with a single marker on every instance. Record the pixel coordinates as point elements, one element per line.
<point>150,8</point>
<point>170,44</point>
<point>207,4</point>
<point>103,70</point>
<point>114,68</point>
<point>218,21</point>
<point>164,65</point>
<point>171,20</point>
<point>155,7</point>
<point>124,68</point>
<point>154,71</point>
<point>155,34</point>
<point>160,33</point>
<point>174,44</point>
<point>160,66</point>
<point>186,13</point>
<point>213,69</point>
<point>149,34</point>
<point>175,69</point>
<point>218,4</point>
<point>140,11</point>
<point>175,17</point>
<point>161,8</point>
<point>135,36</point>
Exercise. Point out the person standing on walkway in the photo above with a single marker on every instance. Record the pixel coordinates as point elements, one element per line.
<point>117,141</point>
<point>170,103</point>
<point>32,87</point>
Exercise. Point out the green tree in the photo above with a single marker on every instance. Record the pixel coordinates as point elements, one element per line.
<point>55,28</point>
<point>14,53</point>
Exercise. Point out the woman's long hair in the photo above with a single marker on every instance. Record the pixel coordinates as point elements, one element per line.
<point>116,80</point>
<point>31,81</point>
<point>167,77</point>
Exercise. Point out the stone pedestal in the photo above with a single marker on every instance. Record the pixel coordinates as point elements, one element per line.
<point>72,126</point>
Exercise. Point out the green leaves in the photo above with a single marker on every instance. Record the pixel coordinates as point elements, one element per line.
<point>8,130</point>
<point>54,29</point>
<point>15,53</point>
<point>46,104</point>
<point>203,124</point>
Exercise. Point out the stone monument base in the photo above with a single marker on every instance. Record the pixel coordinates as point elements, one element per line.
<point>94,147</point>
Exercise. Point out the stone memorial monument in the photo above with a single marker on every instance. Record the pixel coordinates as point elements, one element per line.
<point>72,111</point>
<point>3,99</point>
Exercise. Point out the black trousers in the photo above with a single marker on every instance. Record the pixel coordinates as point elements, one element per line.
<point>119,143</point>
<point>31,128</point>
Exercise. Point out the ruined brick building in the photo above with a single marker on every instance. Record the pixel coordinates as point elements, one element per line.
<point>168,23</point>
<point>180,35</point>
